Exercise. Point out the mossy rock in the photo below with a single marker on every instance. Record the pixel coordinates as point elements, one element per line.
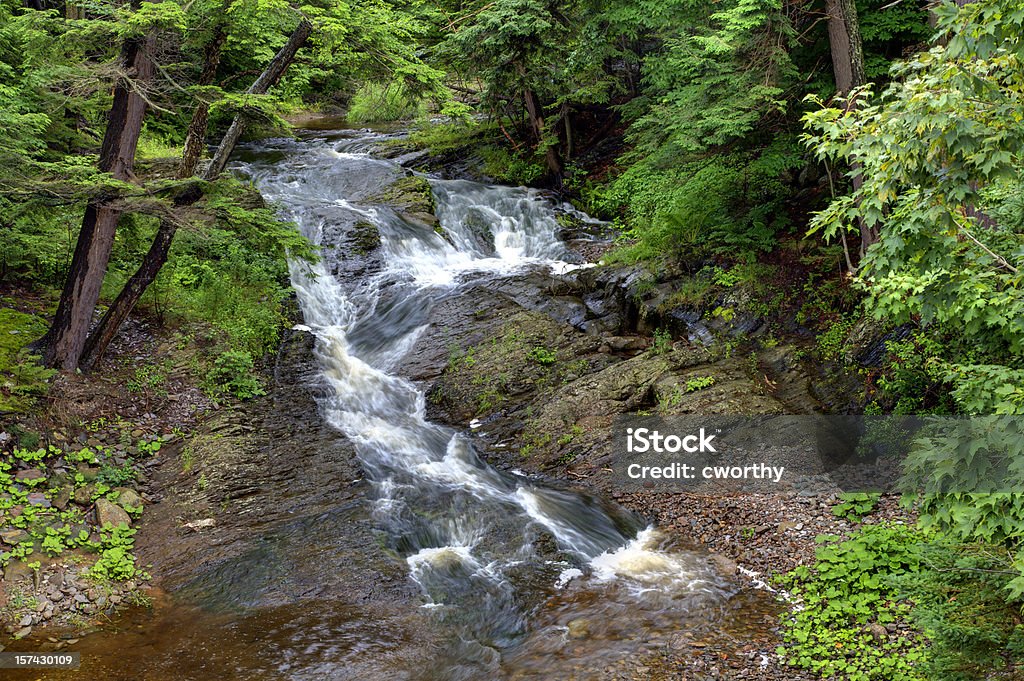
<point>364,237</point>
<point>409,195</point>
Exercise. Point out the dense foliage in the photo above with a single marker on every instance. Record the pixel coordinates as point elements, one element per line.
<point>722,139</point>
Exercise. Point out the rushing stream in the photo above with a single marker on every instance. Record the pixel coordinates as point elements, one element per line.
<point>467,531</point>
<point>434,565</point>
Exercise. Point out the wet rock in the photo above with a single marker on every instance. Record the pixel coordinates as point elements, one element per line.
<point>83,495</point>
<point>725,565</point>
<point>579,628</point>
<point>12,536</point>
<point>128,497</point>
<point>627,343</point>
<point>411,196</point>
<point>108,512</point>
<point>62,498</point>
<point>22,633</point>
<point>38,499</point>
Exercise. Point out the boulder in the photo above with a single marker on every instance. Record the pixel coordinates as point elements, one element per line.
<point>109,512</point>
<point>128,497</point>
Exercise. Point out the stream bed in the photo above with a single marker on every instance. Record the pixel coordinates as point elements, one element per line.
<point>369,542</point>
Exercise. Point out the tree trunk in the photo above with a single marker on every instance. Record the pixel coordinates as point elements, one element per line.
<point>158,252</point>
<point>62,345</point>
<point>845,44</point>
<point>275,69</point>
<point>848,65</point>
<point>570,138</point>
<point>197,127</point>
<point>533,108</point>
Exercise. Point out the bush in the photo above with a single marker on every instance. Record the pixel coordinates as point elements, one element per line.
<point>960,603</point>
<point>383,103</point>
<point>232,374</point>
<point>22,378</point>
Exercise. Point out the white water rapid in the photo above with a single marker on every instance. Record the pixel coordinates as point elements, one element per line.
<point>467,531</point>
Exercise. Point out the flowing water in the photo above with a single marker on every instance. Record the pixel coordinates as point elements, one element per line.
<point>468,532</point>
<point>522,579</point>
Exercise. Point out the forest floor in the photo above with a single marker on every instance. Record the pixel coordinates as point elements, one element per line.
<point>79,463</point>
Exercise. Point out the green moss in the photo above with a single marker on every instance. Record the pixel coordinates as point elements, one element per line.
<point>365,237</point>
<point>411,194</point>
<point>447,138</point>
<point>22,378</point>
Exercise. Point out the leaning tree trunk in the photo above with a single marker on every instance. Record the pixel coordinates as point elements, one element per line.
<point>196,135</point>
<point>848,65</point>
<point>533,108</point>
<point>158,252</point>
<point>62,345</point>
<point>275,69</point>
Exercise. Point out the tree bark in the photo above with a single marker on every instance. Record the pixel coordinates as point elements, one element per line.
<point>845,44</point>
<point>533,108</point>
<point>275,69</point>
<point>848,66</point>
<point>62,345</point>
<point>195,138</point>
<point>155,258</point>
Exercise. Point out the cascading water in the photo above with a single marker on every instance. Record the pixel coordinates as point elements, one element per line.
<point>476,540</point>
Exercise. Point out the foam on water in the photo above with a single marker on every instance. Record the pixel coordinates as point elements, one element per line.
<point>439,502</point>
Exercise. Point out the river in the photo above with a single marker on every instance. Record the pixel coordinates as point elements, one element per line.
<point>510,577</point>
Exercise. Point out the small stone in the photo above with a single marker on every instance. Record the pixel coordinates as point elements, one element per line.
<point>90,473</point>
<point>42,605</point>
<point>62,498</point>
<point>115,599</point>
<point>83,495</point>
<point>579,628</point>
<point>22,633</point>
<point>128,497</point>
<point>877,631</point>
<point>81,599</point>
<point>725,565</point>
<point>108,512</point>
<point>30,474</point>
<point>38,499</point>
<point>25,621</point>
<point>16,570</point>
